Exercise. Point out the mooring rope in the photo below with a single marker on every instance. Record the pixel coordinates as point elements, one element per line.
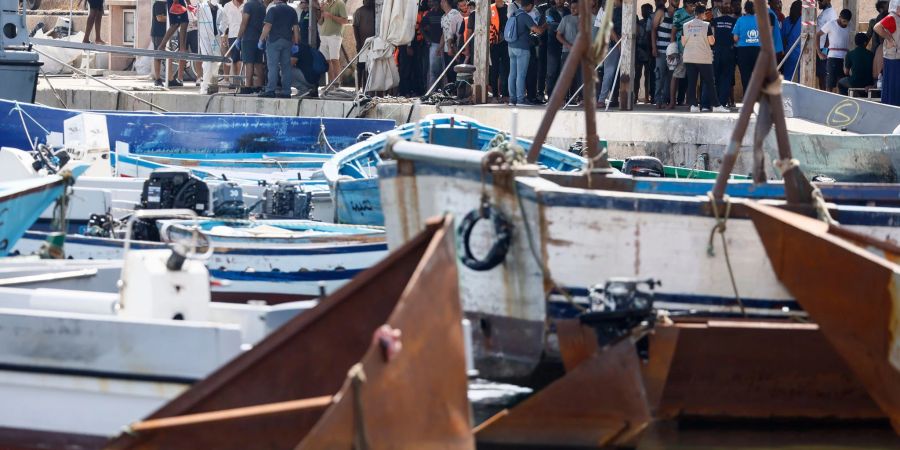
<point>720,227</point>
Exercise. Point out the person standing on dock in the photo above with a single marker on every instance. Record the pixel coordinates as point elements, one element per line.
<point>827,15</point>
<point>251,28</point>
<point>178,21</point>
<point>838,40</point>
<point>518,36</point>
<point>95,18</point>
<point>553,17</point>
<point>889,30</point>
<point>281,35</point>
<point>698,40</point>
<point>332,18</point>
<point>746,39</point>
<point>208,44</point>
<point>230,26</point>
<point>431,27</point>
<point>566,33</point>
<point>157,32</point>
<point>723,52</point>
<point>661,37</point>
<point>363,28</point>
<point>450,23</point>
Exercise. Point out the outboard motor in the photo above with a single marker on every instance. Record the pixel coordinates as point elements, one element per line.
<point>175,189</point>
<point>643,166</point>
<point>170,189</point>
<point>822,179</point>
<point>228,201</point>
<point>287,200</point>
<point>100,225</point>
<point>619,306</point>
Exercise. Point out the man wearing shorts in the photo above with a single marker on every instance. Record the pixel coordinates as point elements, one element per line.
<point>178,21</point>
<point>95,16</point>
<point>254,13</point>
<point>332,19</point>
<point>230,26</point>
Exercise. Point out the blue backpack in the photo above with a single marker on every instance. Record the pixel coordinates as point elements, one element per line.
<point>511,32</point>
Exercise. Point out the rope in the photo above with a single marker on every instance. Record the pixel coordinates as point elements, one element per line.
<point>773,88</point>
<point>323,138</point>
<point>25,127</point>
<point>596,68</point>
<point>786,164</point>
<point>357,379</point>
<point>720,227</point>
<point>822,208</point>
<point>61,101</point>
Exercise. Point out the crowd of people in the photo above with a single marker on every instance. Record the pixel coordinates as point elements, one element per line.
<point>685,55</point>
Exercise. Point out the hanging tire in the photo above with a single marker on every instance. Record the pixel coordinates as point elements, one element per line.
<point>500,247</point>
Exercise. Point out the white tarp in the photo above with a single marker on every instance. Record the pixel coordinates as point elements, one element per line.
<point>397,27</point>
<point>70,56</point>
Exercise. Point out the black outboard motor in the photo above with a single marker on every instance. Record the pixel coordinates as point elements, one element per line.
<point>100,225</point>
<point>287,200</point>
<point>228,201</point>
<point>175,188</point>
<point>170,189</point>
<point>643,166</point>
<point>619,306</point>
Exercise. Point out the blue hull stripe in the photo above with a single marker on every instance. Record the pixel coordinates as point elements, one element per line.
<point>286,277</point>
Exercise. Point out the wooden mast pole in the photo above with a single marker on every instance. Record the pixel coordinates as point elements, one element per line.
<point>626,64</point>
<point>481,51</point>
<point>809,42</point>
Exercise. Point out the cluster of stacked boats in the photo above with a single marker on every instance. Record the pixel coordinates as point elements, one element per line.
<point>147,250</point>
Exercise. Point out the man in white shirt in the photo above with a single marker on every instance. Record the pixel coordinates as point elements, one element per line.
<point>229,26</point>
<point>838,42</point>
<point>450,23</point>
<point>827,15</point>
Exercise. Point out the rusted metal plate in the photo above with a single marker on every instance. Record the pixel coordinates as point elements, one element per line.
<point>850,292</point>
<point>307,357</point>
<point>751,370</point>
<point>600,402</point>
<point>416,398</point>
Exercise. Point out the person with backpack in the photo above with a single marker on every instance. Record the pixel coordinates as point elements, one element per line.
<point>644,63</point>
<point>307,67</point>
<point>697,38</point>
<point>518,35</point>
<point>499,51</point>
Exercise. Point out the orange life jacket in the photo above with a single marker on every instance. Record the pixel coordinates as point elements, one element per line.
<point>419,17</point>
<point>495,25</point>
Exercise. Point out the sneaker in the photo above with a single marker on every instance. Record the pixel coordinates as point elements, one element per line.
<point>159,83</point>
<point>721,109</point>
<point>175,83</point>
<point>196,82</point>
<point>267,94</point>
<point>695,109</point>
<point>705,110</point>
<point>528,103</point>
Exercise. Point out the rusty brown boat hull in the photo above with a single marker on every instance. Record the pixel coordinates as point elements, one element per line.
<point>851,292</point>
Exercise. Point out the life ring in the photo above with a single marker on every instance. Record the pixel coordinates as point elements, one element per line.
<point>497,252</point>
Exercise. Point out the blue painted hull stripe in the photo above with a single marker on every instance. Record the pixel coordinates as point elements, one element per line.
<point>286,277</point>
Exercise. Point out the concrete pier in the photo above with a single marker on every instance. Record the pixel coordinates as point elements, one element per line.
<point>675,137</point>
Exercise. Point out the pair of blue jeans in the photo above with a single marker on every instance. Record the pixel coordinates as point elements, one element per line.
<point>278,56</point>
<point>518,68</point>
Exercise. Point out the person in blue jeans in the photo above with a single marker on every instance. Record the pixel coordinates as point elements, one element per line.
<point>280,38</point>
<point>520,51</point>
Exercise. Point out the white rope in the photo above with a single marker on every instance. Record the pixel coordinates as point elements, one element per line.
<point>785,165</point>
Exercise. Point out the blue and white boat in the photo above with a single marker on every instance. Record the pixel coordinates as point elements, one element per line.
<point>186,135</point>
<point>553,239</point>
<point>353,179</point>
<point>22,202</point>
<point>270,260</point>
<point>354,188</point>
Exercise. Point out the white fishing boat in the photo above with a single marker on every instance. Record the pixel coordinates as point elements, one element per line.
<point>542,247</point>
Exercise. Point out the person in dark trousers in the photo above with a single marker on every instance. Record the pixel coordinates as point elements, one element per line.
<point>363,28</point>
<point>857,66</point>
<point>838,40</point>
<point>280,37</point>
<point>566,34</point>
<point>542,92</point>
<point>661,35</point>
<point>303,17</point>
<point>881,6</point>
<point>723,53</point>
<point>534,63</point>
<point>642,60</point>
<point>552,18</point>
<point>308,66</point>
<point>95,18</point>
<point>431,28</point>
<point>499,72</point>
<point>697,38</point>
<point>746,37</point>
<point>252,18</point>
<point>157,32</point>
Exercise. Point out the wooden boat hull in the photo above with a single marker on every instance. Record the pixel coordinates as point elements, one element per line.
<point>587,236</point>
